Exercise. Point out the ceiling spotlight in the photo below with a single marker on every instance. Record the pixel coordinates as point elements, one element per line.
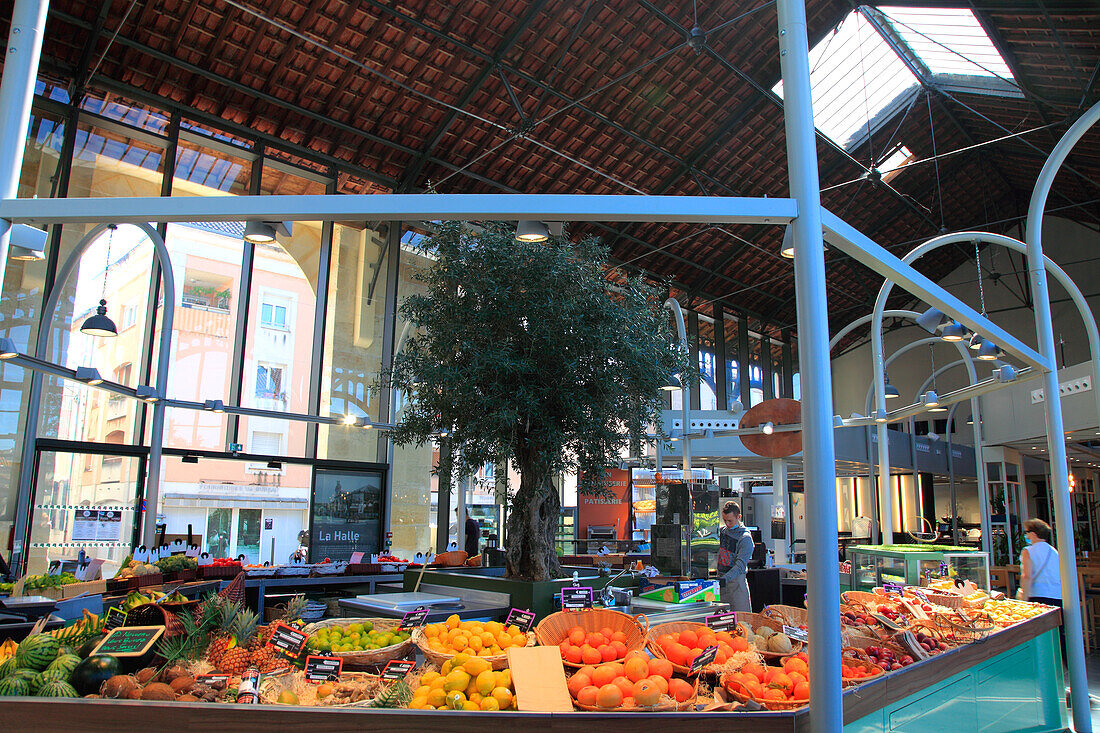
<point>672,383</point>
<point>99,324</point>
<point>265,232</point>
<point>954,331</point>
<point>768,428</point>
<point>970,420</point>
<point>930,399</point>
<point>147,393</point>
<point>989,351</point>
<point>931,319</point>
<point>557,228</point>
<point>349,419</point>
<point>1005,373</point>
<point>8,349</point>
<point>27,243</point>
<point>675,434</point>
<point>787,248</point>
<point>529,230</point>
<point>89,375</point>
<point>976,342</point>
<point>838,421</point>
<point>215,406</point>
<point>880,416</point>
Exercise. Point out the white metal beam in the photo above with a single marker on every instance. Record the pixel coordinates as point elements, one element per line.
<point>398,207</point>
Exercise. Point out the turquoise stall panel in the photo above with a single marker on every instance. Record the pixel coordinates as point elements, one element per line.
<point>943,707</point>
<point>1009,693</point>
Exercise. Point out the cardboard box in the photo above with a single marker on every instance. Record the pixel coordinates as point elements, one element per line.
<point>679,591</point>
<point>70,590</point>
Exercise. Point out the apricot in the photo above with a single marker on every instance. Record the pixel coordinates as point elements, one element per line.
<point>609,696</point>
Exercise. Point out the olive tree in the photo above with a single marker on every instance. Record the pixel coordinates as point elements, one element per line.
<point>537,355</point>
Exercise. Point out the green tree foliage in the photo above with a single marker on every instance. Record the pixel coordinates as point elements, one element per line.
<point>529,354</point>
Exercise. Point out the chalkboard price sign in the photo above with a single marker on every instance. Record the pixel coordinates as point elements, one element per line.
<point>129,641</point>
<point>396,669</point>
<point>287,640</point>
<point>795,633</point>
<point>894,589</point>
<point>722,621</point>
<point>521,618</point>
<point>415,619</point>
<point>703,658</point>
<point>115,618</point>
<point>322,669</point>
<point>575,598</point>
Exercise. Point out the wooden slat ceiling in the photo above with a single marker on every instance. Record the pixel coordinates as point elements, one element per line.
<point>604,96</point>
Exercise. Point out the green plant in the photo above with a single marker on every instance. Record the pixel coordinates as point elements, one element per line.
<point>527,353</point>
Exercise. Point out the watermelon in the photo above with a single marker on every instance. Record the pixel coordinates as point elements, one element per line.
<point>7,667</point>
<point>91,673</point>
<point>66,662</point>
<point>52,674</point>
<point>15,686</point>
<point>57,688</point>
<point>37,651</point>
<point>89,646</point>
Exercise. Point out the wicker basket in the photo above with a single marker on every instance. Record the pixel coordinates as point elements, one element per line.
<point>861,598</point>
<point>736,694</point>
<point>666,704</point>
<point>856,641</point>
<point>551,631</point>
<point>674,627</point>
<point>154,614</point>
<point>856,661</point>
<point>498,661</point>
<point>978,627</point>
<point>368,657</point>
<point>789,615</point>
<point>452,559</point>
<point>949,600</point>
<point>756,620</point>
<point>271,686</point>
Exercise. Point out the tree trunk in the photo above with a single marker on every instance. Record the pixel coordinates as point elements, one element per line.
<point>532,524</point>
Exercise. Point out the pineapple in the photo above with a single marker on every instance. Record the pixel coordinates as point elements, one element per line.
<point>224,616</point>
<point>294,608</point>
<point>242,631</point>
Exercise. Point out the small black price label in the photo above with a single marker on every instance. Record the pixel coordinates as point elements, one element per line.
<point>322,669</point>
<point>287,640</point>
<point>722,621</point>
<point>893,589</point>
<point>703,658</point>
<point>414,619</point>
<point>212,679</point>
<point>396,669</point>
<point>795,633</point>
<point>115,618</point>
<point>576,598</point>
<point>521,618</point>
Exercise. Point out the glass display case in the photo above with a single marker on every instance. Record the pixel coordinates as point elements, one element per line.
<point>913,564</point>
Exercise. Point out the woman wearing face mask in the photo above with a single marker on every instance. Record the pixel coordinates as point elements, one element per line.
<point>1039,579</point>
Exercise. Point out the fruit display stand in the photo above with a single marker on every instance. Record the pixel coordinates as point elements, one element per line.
<point>343,584</point>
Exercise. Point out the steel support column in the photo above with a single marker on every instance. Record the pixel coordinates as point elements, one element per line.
<point>823,582</point>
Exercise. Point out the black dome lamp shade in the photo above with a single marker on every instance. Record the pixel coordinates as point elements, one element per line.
<point>99,324</point>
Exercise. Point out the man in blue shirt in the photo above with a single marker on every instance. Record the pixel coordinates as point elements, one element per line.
<point>734,551</point>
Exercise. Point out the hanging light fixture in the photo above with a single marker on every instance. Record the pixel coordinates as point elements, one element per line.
<point>931,319</point>
<point>26,243</point>
<point>530,230</point>
<point>99,324</point>
<point>8,349</point>
<point>930,398</point>
<point>891,390</point>
<point>787,248</point>
<point>976,342</point>
<point>989,351</point>
<point>265,232</point>
<point>672,383</point>
<point>954,331</point>
<point>147,393</point>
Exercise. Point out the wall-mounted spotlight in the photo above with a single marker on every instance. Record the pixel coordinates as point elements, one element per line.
<point>1005,373</point>
<point>931,319</point>
<point>976,342</point>
<point>147,393</point>
<point>672,384</point>
<point>265,232</point>
<point>880,416</point>
<point>989,351</point>
<point>8,349</point>
<point>27,243</point>
<point>215,406</point>
<point>89,375</point>
<point>787,248</point>
<point>530,230</point>
<point>768,428</point>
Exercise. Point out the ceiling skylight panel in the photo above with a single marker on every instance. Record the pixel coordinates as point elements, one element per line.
<point>948,41</point>
<point>854,76</point>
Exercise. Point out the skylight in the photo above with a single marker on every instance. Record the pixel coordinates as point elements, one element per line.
<point>854,75</point>
<point>948,41</point>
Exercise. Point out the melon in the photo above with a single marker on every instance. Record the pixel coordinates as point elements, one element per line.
<point>57,688</point>
<point>15,686</point>
<point>780,644</point>
<point>37,651</point>
<point>66,662</point>
<point>51,674</point>
<point>7,667</point>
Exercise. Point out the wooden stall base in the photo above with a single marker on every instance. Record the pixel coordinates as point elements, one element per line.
<point>108,716</point>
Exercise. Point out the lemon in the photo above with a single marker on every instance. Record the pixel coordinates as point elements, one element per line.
<point>475,697</point>
<point>476,666</point>
<point>456,700</point>
<point>436,698</point>
<point>457,679</point>
<point>486,681</point>
<point>286,697</point>
<point>453,621</point>
<point>427,677</point>
<point>459,660</point>
<point>470,705</point>
<point>438,683</point>
<point>490,703</point>
<point>447,667</point>
<point>503,697</point>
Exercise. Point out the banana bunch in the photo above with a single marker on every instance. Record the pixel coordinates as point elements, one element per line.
<point>87,627</point>
<point>137,598</point>
<point>7,650</point>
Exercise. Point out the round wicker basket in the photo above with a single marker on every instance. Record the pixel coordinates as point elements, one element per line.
<point>295,682</point>
<point>551,631</point>
<point>857,641</point>
<point>667,704</point>
<point>367,657</point>
<point>856,661</point>
<point>756,620</point>
<point>737,692</point>
<point>675,627</point>
<point>789,615</point>
<point>420,639</point>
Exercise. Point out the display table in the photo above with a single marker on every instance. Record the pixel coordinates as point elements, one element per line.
<point>1009,681</point>
<point>349,583</point>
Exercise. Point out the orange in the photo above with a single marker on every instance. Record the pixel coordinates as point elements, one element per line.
<point>739,644</point>
<point>620,649</point>
<point>587,695</point>
<point>797,677</point>
<point>774,695</point>
<point>753,687</point>
<point>665,641</point>
<point>755,670</point>
<point>724,636</point>
<point>794,664</point>
<point>801,691</point>
<point>603,675</point>
<point>769,672</point>
<point>596,639</point>
<point>688,638</point>
<point>677,654</point>
<point>661,682</point>
<point>661,668</point>
<point>607,652</point>
<point>588,669</point>
<point>636,669</point>
<point>646,693</point>
<point>680,690</point>
<point>573,654</point>
<point>609,696</point>
<point>721,656</point>
<point>705,640</point>
<point>628,702</point>
<point>781,681</point>
<point>590,655</point>
<point>607,632</point>
<point>577,683</point>
<point>618,669</point>
<point>619,636</point>
<point>625,685</point>
<point>636,654</point>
